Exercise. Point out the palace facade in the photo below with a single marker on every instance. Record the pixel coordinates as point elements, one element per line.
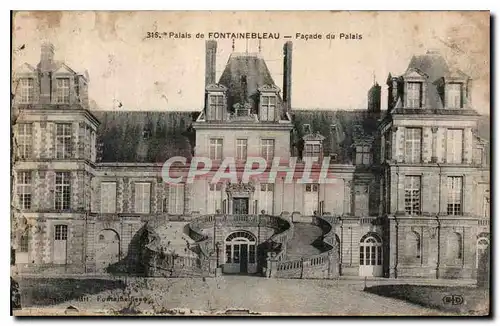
<point>408,192</point>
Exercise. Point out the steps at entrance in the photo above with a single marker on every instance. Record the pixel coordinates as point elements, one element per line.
<point>173,238</point>
<point>304,235</point>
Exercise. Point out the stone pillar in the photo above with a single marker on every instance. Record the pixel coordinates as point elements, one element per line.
<point>434,144</point>
<point>400,144</point>
<point>427,136</point>
<point>467,146</point>
<point>468,199</point>
<point>347,196</point>
<point>393,248</point>
<point>401,193</point>
<point>187,198</point>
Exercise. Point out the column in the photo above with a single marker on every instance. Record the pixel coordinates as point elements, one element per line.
<point>434,144</point>
<point>426,145</point>
<point>347,196</point>
<point>467,150</point>
<point>401,193</point>
<point>392,248</point>
<point>187,198</point>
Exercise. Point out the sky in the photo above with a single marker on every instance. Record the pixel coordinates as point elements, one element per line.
<point>168,74</point>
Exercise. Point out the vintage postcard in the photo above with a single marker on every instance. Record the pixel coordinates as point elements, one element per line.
<point>250,163</point>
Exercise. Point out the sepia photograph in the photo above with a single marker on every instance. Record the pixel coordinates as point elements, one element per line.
<point>250,163</point>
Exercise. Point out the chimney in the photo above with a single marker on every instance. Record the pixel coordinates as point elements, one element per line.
<point>287,75</point>
<point>374,96</point>
<point>46,66</point>
<point>211,52</point>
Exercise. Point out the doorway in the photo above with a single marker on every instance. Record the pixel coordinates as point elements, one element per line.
<point>370,256</point>
<point>240,205</point>
<point>241,253</point>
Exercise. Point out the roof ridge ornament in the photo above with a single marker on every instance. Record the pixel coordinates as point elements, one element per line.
<point>216,88</point>
<point>269,88</point>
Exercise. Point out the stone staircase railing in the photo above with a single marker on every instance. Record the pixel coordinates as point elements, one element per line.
<point>204,264</point>
<point>323,265</point>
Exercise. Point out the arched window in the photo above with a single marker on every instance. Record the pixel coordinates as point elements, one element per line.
<point>240,244</point>
<point>454,247</point>
<point>370,250</point>
<point>482,250</point>
<point>101,237</point>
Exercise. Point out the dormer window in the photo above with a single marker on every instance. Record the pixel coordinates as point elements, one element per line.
<point>454,95</point>
<point>268,108</point>
<point>312,150</point>
<point>268,102</point>
<point>216,106</point>
<point>414,94</point>
<point>216,102</point>
<point>26,90</point>
<point>363,155</point>
<point>62,95</point>
<point>313,146</point>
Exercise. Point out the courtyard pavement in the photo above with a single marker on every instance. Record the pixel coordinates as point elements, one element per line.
<point>256,294</point>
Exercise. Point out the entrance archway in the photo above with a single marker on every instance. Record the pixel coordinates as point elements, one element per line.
<point>241,253</point>
<point>107,249</point>
<point>370,255</point>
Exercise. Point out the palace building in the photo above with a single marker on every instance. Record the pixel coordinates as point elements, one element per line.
<point>408,192</point>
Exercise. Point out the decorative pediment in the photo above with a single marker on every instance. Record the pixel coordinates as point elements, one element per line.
<point>456,75</point>
<point>64,69</point>
<point>245,106</point>
<point>216,88</point>
<point>313,137</point>
<point>240,188</point>
<point>269,89</point>
<point>26,69</point>
<point>414,73</point>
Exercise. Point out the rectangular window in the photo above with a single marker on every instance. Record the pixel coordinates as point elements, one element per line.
<point>27,90</point>
<point>454,95</point>
<point>24,140</point>
<point>215,148</point>
<point>24,186</point>
<point>62,95</point>
<point>312,150</point>
<point>412,195</point>
<point>63,140</point>
<point>266,198</point>
<point>414,95</point>
<point>24,243</point>
<point>216,103</point>
<point>454,196</point>
<point>267,149</point>
<point>454,145</point>
<point>61,232</point>
<point>143,197</point>
<point>63,191</point>
<point>413,145</point>
<point>108,197</point>
<point>268,107</point>
<point>241,149</point>
<point>363,155</point>
<point>388,146</point>
<point>176,199</point>
<point>214,198</point>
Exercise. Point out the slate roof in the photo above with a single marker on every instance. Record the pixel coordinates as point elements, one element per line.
<point>243,75</point>
<point>140,136</point>
<point>153,137</point>
<point>433,65</point>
